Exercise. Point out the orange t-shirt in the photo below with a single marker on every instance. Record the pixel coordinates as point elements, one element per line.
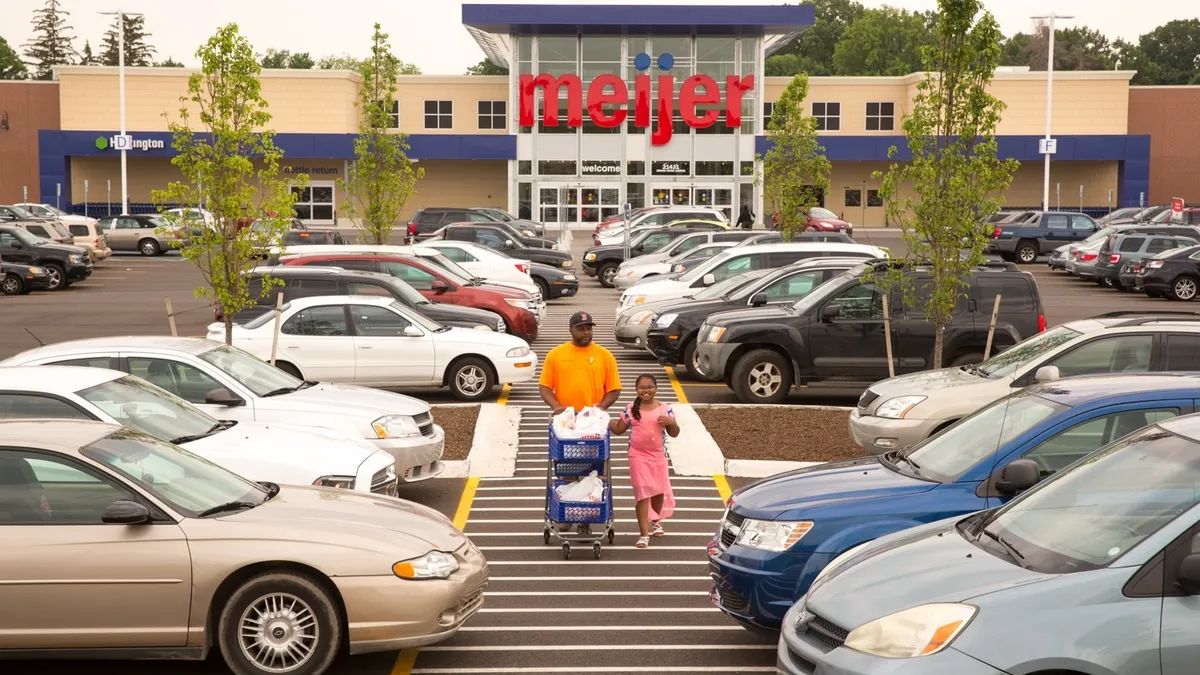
<point>580,376</point>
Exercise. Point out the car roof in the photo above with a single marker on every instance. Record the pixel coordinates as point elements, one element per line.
<point>1111,389</point>
<point>355,249</point>
<point>65,436</point>
<point>51,379</point>
<point>318,270</point>
<point>301,303</point>
<point>187,345</point>
<point>831,246</point>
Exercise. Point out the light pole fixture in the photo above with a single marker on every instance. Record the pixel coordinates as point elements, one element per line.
<point>1048,145</point>
<point>123,143</point>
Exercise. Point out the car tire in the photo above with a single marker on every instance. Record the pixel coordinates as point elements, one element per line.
<point>543,287</point>
<point>1184,287</point>
<point>292,611</point>
<point>289,369</point>
<point>762,376</point>
<point>471,379</point>
<point>607,275</point>
<point>12,284</point>
<point>967,359</point>
<point>58,276</point>
<point>149,247</point>
<point>689,360</point>
<point>1026,252</point>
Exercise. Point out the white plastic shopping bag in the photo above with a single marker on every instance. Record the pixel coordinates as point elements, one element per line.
<point>587,489</point>
<point>587,424</point>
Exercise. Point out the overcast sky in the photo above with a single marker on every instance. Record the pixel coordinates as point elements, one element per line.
<point>429,33</point>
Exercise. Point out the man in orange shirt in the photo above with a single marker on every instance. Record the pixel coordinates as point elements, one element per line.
<point>580,373</point>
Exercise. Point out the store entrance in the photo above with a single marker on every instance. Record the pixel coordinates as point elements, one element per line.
<point>676,194</point>
<point>578,204</point>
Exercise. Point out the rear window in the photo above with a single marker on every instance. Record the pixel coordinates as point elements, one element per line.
<point>1131,244</point>
<point>1016,295</point>
<point>425,218</point>
<point>79,230</point>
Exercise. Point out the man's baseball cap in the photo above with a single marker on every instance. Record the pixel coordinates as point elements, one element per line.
<point>581,319</point>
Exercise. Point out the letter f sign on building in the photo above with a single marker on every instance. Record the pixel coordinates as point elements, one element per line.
<point>608,99</point>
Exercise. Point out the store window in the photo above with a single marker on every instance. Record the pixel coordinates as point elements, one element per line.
<point>635,195</point>
<point>439,114</point>
<point>524,167</point>
<point>393,114</point>
<point>828,116</point>
<point>556,167</point>
<point>315,202</point>
<point>525,201</point>
<point>881,116</point>
<point>874,198</point>
<point>768,110</point>
<point>747,168</point>
<point>714,168</point>
<point>637,168</point>
<point>548,197</point>
<point>492,114</point>
<point>854,197</point>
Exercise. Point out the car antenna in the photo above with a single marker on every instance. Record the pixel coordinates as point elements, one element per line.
<point>39,340</point>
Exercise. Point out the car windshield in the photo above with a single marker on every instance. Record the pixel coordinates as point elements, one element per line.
<point>1102,234</point>
<point>452,270</point>
<point>262,319</point>
<point>826,290</point>
<point>252,373</point>
<point>61,229</point>
<point>25,237</point>
<point>698,253</point>
<point>700,270</point>
<point>1012,359</point>
<point>22,213</point>
<point>54,210</point>
<point>951,453</point>
<point>189,484</point>
<point>136,403</point>
<point>418,318</point>
<point>823,213</point>
<point>723,289</point>
<point>1089,515</point>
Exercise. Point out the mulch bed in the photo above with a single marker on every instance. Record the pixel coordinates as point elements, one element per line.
<point>459,423</point>
<point>781,433</point>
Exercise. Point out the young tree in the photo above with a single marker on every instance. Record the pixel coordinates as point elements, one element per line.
<point>11,66</point>
<point>231,154</point>
<point>137,51</point>
<point>382,178</point>
<point>795,170</point>
<point>954,176</point>
<point>52,41</point>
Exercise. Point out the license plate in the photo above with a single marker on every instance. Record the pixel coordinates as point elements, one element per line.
<point>415,471</point>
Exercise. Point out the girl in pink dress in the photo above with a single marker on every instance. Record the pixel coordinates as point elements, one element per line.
<point>650,421</point>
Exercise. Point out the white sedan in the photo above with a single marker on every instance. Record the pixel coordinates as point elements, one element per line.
<point>48,211</point>
<point>483,262</point>
<point>632,272</point>
<point>378,342</point>
<point>260,452</point>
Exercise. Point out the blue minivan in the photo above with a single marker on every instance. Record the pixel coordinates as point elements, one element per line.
<point>779,533</point>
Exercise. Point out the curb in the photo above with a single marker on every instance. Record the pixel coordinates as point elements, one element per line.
<point>693,452</point>
<point>752,468</point>
<point>494,445</point>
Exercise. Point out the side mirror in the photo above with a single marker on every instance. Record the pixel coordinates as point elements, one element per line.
<point>758,300</point>
<point>223,397</point>
<point>17,244</point>
<point>1188,577</point>
<point>412,331</point>
<point>509,243</point>
<point>709,279</point>
<point>126,512</point>
<point>1046,374</point>
<point>439,286</point>
<point>830,312</point>
<point>678,267</point>
<point>1018,476</point>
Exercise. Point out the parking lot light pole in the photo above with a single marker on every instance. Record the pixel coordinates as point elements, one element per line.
<point>121,85</point>
<point>1049,18</point>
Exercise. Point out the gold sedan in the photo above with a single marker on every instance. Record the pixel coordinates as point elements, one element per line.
<point>117,544</point>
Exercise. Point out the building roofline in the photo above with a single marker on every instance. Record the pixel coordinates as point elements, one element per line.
<point>915,78</point>
<point>164,71</point>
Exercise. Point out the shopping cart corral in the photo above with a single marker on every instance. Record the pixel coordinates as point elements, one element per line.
<point>572,458</point>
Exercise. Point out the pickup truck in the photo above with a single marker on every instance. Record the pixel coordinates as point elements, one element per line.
<point>1040,235</point>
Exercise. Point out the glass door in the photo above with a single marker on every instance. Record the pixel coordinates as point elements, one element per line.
<point>578,205</point>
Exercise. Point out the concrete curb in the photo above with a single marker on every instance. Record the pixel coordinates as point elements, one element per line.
<point>785,406</point>
<point>746,468</point>
<point>494,445</point>
<point>693,452</point>
<point>761,468</point>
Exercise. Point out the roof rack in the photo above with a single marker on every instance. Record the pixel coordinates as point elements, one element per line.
<point>1147,313</point>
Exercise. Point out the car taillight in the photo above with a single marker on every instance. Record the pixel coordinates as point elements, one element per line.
<point>1114,258</point>
<point>1087,257</point>
<point>996,232</point>
<point>412,229</point>
<point>1041,323</point>
<point>98,241</point>
<point>524,267</point>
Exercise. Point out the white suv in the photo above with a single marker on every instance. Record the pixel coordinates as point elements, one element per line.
<point>662,216</point>
<point>902,411</point>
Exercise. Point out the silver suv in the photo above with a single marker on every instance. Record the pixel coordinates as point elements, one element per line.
<point>902,411</point>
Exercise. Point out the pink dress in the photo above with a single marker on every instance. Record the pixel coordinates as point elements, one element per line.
<point>648,468</point>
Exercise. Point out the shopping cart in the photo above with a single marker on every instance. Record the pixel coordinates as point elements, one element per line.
<point>574,458</point>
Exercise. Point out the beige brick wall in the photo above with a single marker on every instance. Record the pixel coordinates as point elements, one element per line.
<point>460,183</point>
<point>465,91</point>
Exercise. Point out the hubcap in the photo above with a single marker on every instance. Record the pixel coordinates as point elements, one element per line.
<point>471,380</point>
<point>1185,289</point>
<point>278,633</point>
<point>609,275</point>
<point>765,379</point>
<point>11,285</point>
<point>55,277</point>
<point>148,248</point>
<point>1027,254</point>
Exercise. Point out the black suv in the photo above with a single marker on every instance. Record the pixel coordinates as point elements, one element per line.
<point>426,222</point>
<point>835,333</point>
<point>1173,274</point>
<point>309,281</point>
<point>66,264</point>
<point>494,236</point>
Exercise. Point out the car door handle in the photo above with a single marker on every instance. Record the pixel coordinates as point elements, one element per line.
<point>364,346</point>
<point>292,347</point>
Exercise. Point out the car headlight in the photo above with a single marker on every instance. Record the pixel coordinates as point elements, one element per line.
<point>589,256</point>
<point>641,317</point>
<point>626,272</point>
<point>396,426</point>
<point>341,482</point>
<point>917,631</point>
<point>637,300</point>
<point>483,327</point>
<point>772,535</point>
<point>37,270</point>
<point>523,304</point>
<point>897,408</point>
<point>570,277</point>
<point>517,352</point>
<point>715,333</point>
<point>78,257</point>
<point>566,263</point>
<point>432,565</point>
<point>665,320</point>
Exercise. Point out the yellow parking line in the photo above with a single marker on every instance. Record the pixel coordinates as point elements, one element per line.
<point>675,385</point>
<point>723,487</point>
<point>504,392</point>
<point>464,502</point>
<point>405,661</point>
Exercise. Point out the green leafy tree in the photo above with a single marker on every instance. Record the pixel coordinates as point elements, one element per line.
<point>137,51</point>
<point>795,170</point>
<point>1079,48</point>
<point>885,41</point>
<point>382,178</point>
<point>1168,55</point>
<point>1014,51</point>
<point>789,65</point>
<point>282,58</point>
<point>486,67</point>
<point>347,62</point>
<point>816,45</point>
<point>11,66</point>
<point>955,176</point>
<point>230,151</point>
<point>169,63</point>
<point>52,43</point>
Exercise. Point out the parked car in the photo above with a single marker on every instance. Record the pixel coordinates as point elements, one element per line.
<point>1023,242</point>
<point>497,266</point>
<point>230,384</point>
<point>618,238</point>
<point>759,237</point>
<point>629,276</point>
<point>493,236</point>
<point>18,279</point>
<point>824,220</point>
<point>326,338</point>
<point>1061,572</point>
<point>904,410</point>
<point>1063,256</point>
<point>54,213</point>
<point>836,332</point>
<point>261,452</point>
<point>312,571</point>
<point>524,224</point>
<point>1120,214</point>
<point>294,238</point>
<point>50,229</point>
<point>779,533</point>
<point>736,261</point>
<point>66,264</point>
<point>672,330</point>
<point>1174,275</point>
<point>518,308</point>
<point>306,281</point>
<point>608,262</point>
<point>149,235</point>
<point>430,220</point>
<point>89,236</point>
<point>1132,247</point>
<point>658,216</point>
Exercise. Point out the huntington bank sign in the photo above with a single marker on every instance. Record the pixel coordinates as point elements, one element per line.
<point>127,142</point>
<point>608,99</point>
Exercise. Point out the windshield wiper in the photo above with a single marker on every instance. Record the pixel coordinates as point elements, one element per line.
<point>219,426</point>
<point>271,488</point>
<point>288,390</point>
<point>228,506</point>
<point>1008,548</point>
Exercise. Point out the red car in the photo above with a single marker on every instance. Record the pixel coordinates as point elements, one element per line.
<point>439,285</point>
<point>824,220</point>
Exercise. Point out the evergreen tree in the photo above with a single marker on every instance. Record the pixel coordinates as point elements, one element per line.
<point>88,58</point>
<point>52,41</point>
<point>137,51</point>
<point>169,63</point>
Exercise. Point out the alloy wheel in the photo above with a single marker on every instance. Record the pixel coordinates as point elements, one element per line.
<point>278,633</point>
<point>10,285</point>
<point>1185,288</point>
<point>765,379</point>
<point>610,275</point>
<point>471,380</point>
<point>55,277</point>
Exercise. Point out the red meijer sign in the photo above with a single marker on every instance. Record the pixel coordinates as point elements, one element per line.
<point>610,90</point>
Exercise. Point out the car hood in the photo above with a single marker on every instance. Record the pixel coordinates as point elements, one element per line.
<point>795,494</point>
<point>347,399</point>
<point>64,248</point>
<point>340,512</point>
<point>503,291</point>
<point>750,315</point>
<point>933,563</point>
<point>263,445</point>
<point>931,383</point>
<point>694,308</point>
<point>606,248</point>
<point>542,253</point>
<point>442,312</point>
<point>655,286</point>
<point>480,340</point>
